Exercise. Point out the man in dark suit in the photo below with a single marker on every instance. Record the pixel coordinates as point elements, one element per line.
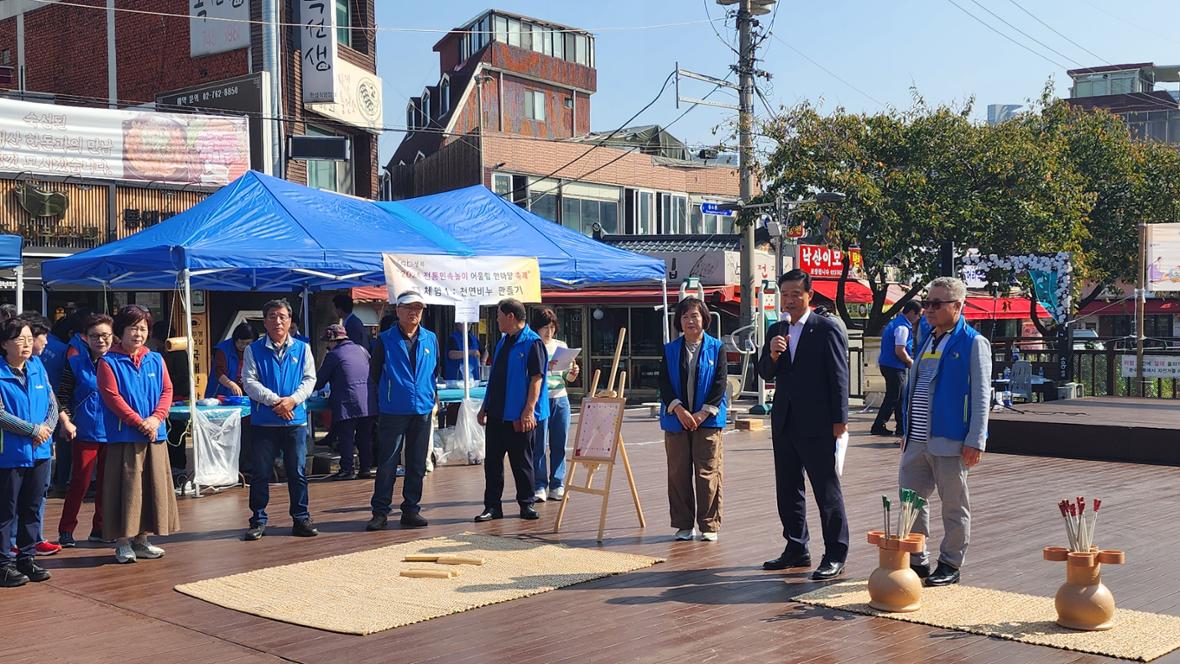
<point>807,358</point>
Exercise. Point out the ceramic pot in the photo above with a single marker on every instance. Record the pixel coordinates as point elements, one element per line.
<point>1083,602</point>
<point>893,586</point>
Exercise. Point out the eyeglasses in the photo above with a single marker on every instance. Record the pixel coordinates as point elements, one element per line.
<point>277,317</point>
<point>935,305</point>
<point>23,341</point>
<point>99,337</point>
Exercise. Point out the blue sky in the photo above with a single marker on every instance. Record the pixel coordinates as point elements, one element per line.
<point>881,47</point>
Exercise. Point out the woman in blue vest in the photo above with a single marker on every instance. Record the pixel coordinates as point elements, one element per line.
<point>454,364</point>
<point>138,497</point>
<point>83,424</point>
<point>693,376</point>
<point>27,420</point>
<point>225,377</point>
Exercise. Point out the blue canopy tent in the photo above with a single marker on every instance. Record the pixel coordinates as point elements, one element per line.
<point>492,226</point>
<point>258,233</point>
<point>12,255</point>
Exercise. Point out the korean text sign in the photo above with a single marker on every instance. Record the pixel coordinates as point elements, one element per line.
<point>453,279</point>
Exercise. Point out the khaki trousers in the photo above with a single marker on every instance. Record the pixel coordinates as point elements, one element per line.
<point>694,467</point>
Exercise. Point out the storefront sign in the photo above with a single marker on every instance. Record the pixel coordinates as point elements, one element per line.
<point>358,95</point>
<point>1154,366</point>
<point>107,144</point>
<point>825,262</point>
<point>318,42</point>
<point>715,267</point>
<point>449,280</point>
<point>217,26</point>
<point>244,94</point>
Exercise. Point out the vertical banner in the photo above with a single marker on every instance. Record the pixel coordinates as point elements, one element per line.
<point>1163,257</point>
<point>318,42</point>
<point>455,280</point>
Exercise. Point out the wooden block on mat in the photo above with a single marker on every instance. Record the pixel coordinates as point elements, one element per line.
<point>424,573</point>
<point>443,559</point>
<point>748,424</point>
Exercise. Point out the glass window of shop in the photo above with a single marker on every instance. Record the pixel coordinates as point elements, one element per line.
<point>642,346</point>
<point>543,197</point>
<point>328,174</point>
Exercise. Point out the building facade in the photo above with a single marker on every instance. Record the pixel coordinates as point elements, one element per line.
<point>1129,91</point>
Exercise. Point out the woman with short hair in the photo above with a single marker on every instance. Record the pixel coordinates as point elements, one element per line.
<point>693,377</point>
<point>552,433</point>
<point>138,497</point>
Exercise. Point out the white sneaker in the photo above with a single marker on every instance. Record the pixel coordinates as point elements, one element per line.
<point>557,494</point>
<point>145,549</point>
<point>709,537</point>
<point>123,552</point>
<point>684,535</point>
<point>540,495</point>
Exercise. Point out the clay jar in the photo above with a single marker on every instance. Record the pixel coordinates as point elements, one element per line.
<point>893,586</point>
<point>1083,602</point>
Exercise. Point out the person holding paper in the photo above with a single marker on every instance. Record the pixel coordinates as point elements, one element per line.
<point>517,400</point>
<point>946,411</point>
<point>454,365</point>
<point>553,432</point>
<point>807,358</point>
<point>693,375</point>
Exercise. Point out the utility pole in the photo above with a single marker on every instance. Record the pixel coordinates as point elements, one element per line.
<point>745,66</point>
<point>1140,306</point>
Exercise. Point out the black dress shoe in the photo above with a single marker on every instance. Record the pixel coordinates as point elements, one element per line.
<point>882,431</point>
<point>922,571</point>
<point>529,513</point>
<point>413,520</point>
<point>342,476</point>
<point>304,528</point>
<point>787,560</point>
<point>944,575</point>
<point>255,533</point>
<point>364,475</point>
<point>32,570</point>
<point>10,577</point>
<point>488,515</point>
<point>378,522</point>
<point>828,569</point>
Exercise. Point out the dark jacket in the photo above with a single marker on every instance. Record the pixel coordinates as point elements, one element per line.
<point>346,369</point>
<point>811,393</point>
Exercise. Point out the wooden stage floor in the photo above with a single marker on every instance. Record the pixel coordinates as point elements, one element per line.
<point>708,602</point>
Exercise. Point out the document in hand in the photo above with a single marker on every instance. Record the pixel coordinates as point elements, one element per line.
<point>841,450</point>
<point>563,358</point>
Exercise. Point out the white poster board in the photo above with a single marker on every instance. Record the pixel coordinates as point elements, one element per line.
<point>599,424</point>
<point>1163,257</point>
<point>1154,366</point>
<point>217,26</point>
<point>482,280</point>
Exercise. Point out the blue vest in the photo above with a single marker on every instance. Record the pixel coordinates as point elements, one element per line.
<point>54,358</point>
<point>707,368</point>
<point>888,356</point>
<point>87,412</point>
<point>516,387</point>
<point>401,391</point>
<point>950,407</point>
<point>232,359</point>
<point>29,402</point>
<point>141,388</point>
<point>78,343</point>
<point>453,369</point>
<point>282,378</point>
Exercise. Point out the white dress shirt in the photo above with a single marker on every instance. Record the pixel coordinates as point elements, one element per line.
<point>797,332</point>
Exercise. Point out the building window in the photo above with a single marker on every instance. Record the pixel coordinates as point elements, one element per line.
<point>501,183</point>
<point>344,22</point>
<point>444,96</point>
<point>534,105</point>
<point>539,38</point>
<point>328,174</point>
<point>501,29</point>
<point>674,213</point>
<point>411,117</point>
<point>513,32</point>
<point>426,108</point>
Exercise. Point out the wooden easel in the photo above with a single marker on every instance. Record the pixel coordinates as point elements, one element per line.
<point>613,391</point>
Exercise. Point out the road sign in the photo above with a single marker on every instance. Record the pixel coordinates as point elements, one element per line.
<point>715,208</point>
<point>796,232</point>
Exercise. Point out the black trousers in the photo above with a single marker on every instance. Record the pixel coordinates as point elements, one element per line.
<point>891,404</point>
<point>817,456</point>
<point>22,493</point>
<point>501,440</point>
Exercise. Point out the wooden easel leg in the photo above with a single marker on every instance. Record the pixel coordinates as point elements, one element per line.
<point>631,483</point>
<point>610,471</point>
<point>565,499</point>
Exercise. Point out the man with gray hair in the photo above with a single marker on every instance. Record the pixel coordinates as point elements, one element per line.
<point>946,411</point>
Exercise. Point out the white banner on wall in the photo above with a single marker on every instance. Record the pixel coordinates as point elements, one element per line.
<point>450,280</point>
<point>144,146</point>
<point>1163,257</point>
<point>1154,366</point>
<point>217,26</point>
<point>318,43</point>
<point>358,95</point>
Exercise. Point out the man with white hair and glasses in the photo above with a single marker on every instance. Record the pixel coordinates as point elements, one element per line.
<point>946,412</point>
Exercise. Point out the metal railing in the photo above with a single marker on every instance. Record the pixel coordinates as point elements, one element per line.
<point>1097,367</point>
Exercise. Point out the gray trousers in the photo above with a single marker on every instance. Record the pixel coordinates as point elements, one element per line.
<point>924,472</point>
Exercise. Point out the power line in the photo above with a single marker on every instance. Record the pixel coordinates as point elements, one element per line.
<point>146,12</point>
<point>1043,44</point>
<point>831,73</point>
<point>1034,17</point>
<point>1008,37</point>
<point>713,25</point>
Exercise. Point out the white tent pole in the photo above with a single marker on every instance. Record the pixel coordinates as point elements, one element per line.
<point>20,290</point>
<point>667,313</point>
<point>466,365</point>
<point>192,378</point>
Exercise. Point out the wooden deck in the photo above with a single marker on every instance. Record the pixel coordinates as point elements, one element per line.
<point>708,602</point>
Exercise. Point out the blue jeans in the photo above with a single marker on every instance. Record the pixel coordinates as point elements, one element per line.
<point>268,442</point>
<point>555,431</point>
<point>22,500</point>
<point>393,433</point>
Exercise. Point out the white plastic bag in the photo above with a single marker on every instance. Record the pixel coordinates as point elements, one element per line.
<point>217,445</point>
<point>464,442</point>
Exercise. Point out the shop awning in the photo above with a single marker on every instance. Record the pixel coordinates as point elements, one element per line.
<point>999,308</point>
<point>854,291</point>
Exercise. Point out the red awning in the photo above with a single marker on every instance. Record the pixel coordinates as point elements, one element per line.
<point>999,308</point>
<point>854,291</point>
<point>370,294</point>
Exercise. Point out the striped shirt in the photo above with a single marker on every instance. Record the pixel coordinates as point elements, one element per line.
<point>918,429</point>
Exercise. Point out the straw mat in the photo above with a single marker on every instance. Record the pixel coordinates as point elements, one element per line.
<point>1026,618</point>
<point>362,593</point>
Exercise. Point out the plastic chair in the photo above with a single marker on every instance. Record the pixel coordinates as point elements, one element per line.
<point>1021,385</point>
